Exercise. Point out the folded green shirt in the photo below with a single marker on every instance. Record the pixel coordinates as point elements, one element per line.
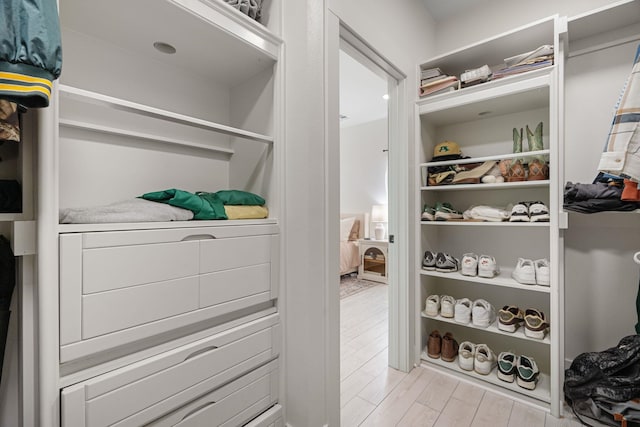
<point>203,205</point>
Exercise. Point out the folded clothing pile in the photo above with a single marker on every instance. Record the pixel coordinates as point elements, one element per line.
<point>596,197</point>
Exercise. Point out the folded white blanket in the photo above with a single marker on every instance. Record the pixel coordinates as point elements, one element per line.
<point>487,213</point>
<point>135,210</point>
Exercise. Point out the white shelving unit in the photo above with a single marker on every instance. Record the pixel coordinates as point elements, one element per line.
<point>128,119</point>
<point>481,119</point>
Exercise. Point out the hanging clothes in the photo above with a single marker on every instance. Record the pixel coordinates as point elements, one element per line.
<point>30,51</point>
<point>621,154</point>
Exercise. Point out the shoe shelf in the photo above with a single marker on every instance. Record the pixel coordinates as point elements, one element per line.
<point>493,328</point>
<point>475,223</point>
<point>493,186</point>
<point>487,158</point>
<point>502,279</point>
<point>541,392</point>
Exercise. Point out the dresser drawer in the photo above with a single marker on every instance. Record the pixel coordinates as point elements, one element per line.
<point>146,390</point>
<point>121,287</point>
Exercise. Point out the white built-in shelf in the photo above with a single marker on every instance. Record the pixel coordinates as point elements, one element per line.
<point>493,50</point>
<point>541,392</point>
<point>493,328</point>
<point>140,135</point>
<point>607,18</point>
<point>494,186</point>
<point>464,223</point>
<point>88,228</point>
<point>491,99</point>
<point>156,113</point>
<point>503,279</point>
<point>487,158</point>
<point>11,217</point>
<point>231,49</point>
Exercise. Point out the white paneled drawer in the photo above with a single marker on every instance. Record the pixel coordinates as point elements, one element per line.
<point>118,287</point>
<point>229,375</point>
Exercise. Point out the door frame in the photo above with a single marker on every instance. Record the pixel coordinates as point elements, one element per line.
<point>401,329</point>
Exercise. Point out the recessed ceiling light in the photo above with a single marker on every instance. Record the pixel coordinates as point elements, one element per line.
<point>385,96</point>
<point>164,47</point>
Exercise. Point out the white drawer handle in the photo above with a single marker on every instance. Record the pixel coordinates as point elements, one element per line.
<point>199,237</point>
<point>199,352</point>
<point>193,411</point>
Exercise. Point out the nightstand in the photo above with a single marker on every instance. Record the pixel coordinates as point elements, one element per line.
<point>373,260</point>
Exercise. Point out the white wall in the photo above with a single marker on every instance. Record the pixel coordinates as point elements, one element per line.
<point>363,166</point>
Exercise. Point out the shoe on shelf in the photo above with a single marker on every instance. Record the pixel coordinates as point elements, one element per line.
<point>446,263</point>
<point>462,311</point>
<point>519,213</point>
<point>432,306</point>
<point>487,266</point>
<point>445,212</point>
<point>507,366</point>
<point>538,212</point>
<point>428,213</point>
<point>509,318</point>
<point>434,345</point>
<point>447,306</point>
<point>535,324</point>
<point>542,271</point>
<point>538,170</point>
<point>516,172</point>
<point>449,348</point>
<point>524,272</point>
<point>485,360</point>
<point>527,372</point>
<point>469,265</point>
<point>466,355</point>
<point>429,261</point>
<point>482,313</point>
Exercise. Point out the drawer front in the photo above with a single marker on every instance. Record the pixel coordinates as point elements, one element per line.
<point>106,269</point>
<point>229,285</point>
<point>232,405</point>
<point>112,296</point>
<point>146,390</point>
<point>107,312</point>
<point>272,417</point>
<point>226,254</point>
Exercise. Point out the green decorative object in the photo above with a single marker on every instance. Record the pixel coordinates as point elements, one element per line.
<point>535,141</point>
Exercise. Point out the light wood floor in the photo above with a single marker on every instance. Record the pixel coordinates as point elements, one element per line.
<point>372,394</point>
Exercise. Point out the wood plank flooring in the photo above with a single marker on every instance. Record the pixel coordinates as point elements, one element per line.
<point>372,394</point>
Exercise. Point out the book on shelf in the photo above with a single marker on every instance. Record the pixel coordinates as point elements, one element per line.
<point>445,85</point>
<point>544,50</point>
<point>534,64</point>
<point>430,72</point>
<point>424,82</point>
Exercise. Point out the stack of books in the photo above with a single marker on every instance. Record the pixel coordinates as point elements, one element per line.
<point>538,58</point>
<point>433,81</point>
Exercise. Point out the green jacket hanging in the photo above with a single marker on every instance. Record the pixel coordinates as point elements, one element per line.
<point>30,51</point>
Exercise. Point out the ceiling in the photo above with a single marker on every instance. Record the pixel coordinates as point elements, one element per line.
<point>361,93</point>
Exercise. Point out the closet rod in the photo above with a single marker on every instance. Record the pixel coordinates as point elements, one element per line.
<point>603,46</point>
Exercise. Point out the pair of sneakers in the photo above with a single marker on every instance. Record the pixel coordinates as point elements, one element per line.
<point>522,369</point>
<point>479,312</point>
<point>441,212</point>
<point>529,272</point>
<point>443,305</point>
<point>535,323</point>
<point>440,261</point>
<point>529,212</point>
<point>476,357</point>
<point>482,266</point>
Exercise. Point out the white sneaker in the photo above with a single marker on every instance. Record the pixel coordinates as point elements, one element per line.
<point>487,266</point>
<point>432,306</point>
<point>524,272</point>
<point>463,311</point>
<point>485,360</point>
<point>538,212</point>
<point>469,264</point>
<point>466,355</point>
<point>447,306</point>
<point>519,213</point>
<point>542,271</point>
<point>482,313</point>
